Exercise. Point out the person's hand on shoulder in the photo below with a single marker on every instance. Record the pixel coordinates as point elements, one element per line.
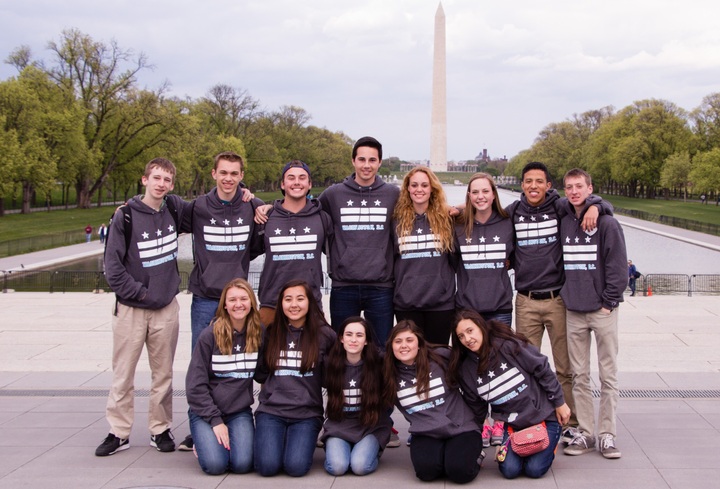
<point>261,213</point>
<point>247,196</point>
<point>590,219</point>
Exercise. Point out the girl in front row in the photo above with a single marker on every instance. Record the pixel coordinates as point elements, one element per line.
<point>446,439</point>
<point>290,411</point>
<point>219,383</point>
<point>495,365</point>
<point>357,425</point>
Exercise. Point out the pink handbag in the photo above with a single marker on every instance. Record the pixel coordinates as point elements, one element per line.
<point>530,440</point>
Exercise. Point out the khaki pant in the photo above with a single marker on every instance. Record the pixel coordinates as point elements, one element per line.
<point>580,325</point>
<point>532,318</point>
<point>133,328</point>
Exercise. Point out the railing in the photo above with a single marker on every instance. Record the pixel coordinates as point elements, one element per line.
<point>678,284</point>
<point>82,281</point>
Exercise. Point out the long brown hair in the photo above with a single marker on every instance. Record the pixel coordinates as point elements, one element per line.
<point>467,218</point>
<point>371,405</point>
<point>278,329</point>
<point>491,331</point>
<point>422,361</point>
<point>437,213</point>
<point>222,324</point>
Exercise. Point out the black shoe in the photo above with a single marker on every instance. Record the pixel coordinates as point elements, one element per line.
<point>186,445</point>
<point>112,444</point>
<point>163,442</point>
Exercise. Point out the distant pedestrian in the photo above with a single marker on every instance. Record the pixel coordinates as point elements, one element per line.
<point>703,199</point>
<point>88,233</point>
<point>102,232</point>
<point>632,277</point>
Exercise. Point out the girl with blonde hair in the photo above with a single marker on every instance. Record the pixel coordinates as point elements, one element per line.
<point>485,240</point>
<point>423,241</point>
<point>219,383</point>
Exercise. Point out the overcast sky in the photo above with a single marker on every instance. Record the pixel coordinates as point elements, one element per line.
<point>365,67</point>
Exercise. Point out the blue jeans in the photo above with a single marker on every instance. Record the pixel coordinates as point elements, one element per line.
<point>503,317</point>
<point>533,466</point>
<point>282,443</point>
<point>376,302</point>
<point>362,457</point>
<point>213,457</point>
<point>202,311</point>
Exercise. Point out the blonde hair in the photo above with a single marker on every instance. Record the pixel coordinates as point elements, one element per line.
<point>437,213</point>
<point>222,325</point>
<point>467,218</point>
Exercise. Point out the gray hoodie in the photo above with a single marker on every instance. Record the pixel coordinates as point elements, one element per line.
<point>595,264</point>
<point>224,241</point>
<point>145,273</point>
<point>293,243</point>
<point>441,412</point>
<point>483,282</point>
<point>361,251</point>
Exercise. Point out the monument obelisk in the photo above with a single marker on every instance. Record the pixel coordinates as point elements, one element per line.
<point>438,118</point>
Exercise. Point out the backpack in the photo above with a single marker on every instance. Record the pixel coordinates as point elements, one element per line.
<point>127,222</point>
<point>637,274</point>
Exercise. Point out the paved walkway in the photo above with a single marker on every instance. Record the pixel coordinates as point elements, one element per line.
<point>55,372</point>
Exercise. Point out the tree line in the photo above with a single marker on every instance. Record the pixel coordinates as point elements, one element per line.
<point>82,121</point>
<point>648,149</point>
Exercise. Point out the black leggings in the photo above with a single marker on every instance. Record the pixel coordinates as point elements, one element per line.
<point>436,325</point>
<point>455,458</point>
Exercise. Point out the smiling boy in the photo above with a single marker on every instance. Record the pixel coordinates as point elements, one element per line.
<point>293,239</point>
<point>142,271</point>
<point>595,279</point>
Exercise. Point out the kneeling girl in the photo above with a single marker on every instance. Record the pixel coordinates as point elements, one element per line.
<point>495,365</point>
<point>446,440</point>
<point>290,411</point>
<point>219,383</point>
<point>357,425</point>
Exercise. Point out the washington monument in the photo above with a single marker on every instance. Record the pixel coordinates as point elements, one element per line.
<point>438,121</point>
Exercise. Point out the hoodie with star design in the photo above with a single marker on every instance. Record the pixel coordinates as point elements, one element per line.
<point>293,243</point>
<point>361,251</point>
<point>224,241</point>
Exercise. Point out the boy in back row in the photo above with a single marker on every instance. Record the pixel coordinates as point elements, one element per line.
<point>141,268</point>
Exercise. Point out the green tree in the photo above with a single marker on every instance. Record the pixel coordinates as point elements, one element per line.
<point>705,173</point>
<point>706,121</point>
<point>39,120</point>
<point>676,172</point>
<point>121,121</point>
<point>563,145</point>
<point>631,147</point>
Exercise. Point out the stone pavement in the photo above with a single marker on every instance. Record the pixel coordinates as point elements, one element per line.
<point>55,372</point>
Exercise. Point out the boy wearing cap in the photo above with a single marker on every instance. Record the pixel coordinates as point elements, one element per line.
<point>293,239</point>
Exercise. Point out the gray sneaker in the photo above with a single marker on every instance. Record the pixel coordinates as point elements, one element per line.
<point>607,446</point>
<point>394,440</point>
<point>580,444</point>
<point>568,433</point>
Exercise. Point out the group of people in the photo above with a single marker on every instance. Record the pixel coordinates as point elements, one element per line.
<point>400,256</point>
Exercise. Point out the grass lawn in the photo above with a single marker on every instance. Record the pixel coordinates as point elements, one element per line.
<point>17,226</point>
<point>694,211</point>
